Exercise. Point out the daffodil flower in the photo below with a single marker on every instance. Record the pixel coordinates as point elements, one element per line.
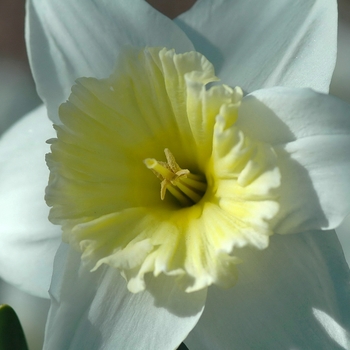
<point>173,178</point>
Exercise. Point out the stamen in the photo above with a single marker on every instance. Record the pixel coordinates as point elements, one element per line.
<point>179,196</point>
<point>188,192</point>
<point>196,177</point>
<point>171,161</point>
<point>187,188</point>
<point>197,185</point>
<point>160,169</point>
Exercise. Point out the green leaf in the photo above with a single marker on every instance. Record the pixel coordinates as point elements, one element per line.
<point>11,332</point>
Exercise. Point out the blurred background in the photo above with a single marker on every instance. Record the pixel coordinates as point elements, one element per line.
<point>18,96</point>
<point>17,90</point>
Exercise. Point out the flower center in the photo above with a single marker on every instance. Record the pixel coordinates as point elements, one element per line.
<point>187,188</point>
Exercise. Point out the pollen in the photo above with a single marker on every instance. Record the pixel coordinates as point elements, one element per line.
<point>186,187</point>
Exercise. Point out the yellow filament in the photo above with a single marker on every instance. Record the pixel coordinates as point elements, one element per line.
<point>160,169</point>
<point>195,184</point>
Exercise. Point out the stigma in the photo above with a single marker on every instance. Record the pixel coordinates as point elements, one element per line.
<point>186,187</point>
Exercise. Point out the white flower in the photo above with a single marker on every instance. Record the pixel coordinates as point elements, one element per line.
<point>289,295</point>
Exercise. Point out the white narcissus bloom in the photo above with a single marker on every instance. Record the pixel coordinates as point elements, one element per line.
<point>291,145</point>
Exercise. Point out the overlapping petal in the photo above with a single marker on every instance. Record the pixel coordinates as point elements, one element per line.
<point>247,48</point>
<point>310,133</point>
<point>72,39</point>
<point>259,44</point>
<point>28,240</point>
<point>293,295</point>
<point>94,310</point>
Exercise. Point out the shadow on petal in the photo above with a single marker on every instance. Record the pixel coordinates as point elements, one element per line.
<point>300,209</point>
<point>271,307</point>
<point>203,45</point>
<point>261,123</point>
<point>167,294</point>
<point>94,310</point>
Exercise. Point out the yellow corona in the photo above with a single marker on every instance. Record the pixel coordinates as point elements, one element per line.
<point>154,127</point>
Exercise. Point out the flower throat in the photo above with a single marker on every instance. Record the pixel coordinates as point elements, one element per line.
<point>187,188</point>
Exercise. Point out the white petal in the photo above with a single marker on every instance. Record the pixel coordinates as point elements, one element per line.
<point>94,310</point>
<point>256,44</point>
<point>340,335</point>
<point>68,39</point>
<point>273,305</point>
<point>28,241</point>
<point>293,113</point>
<point>315,183</point>
<point>311,134</point>
<point>343,232</point>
